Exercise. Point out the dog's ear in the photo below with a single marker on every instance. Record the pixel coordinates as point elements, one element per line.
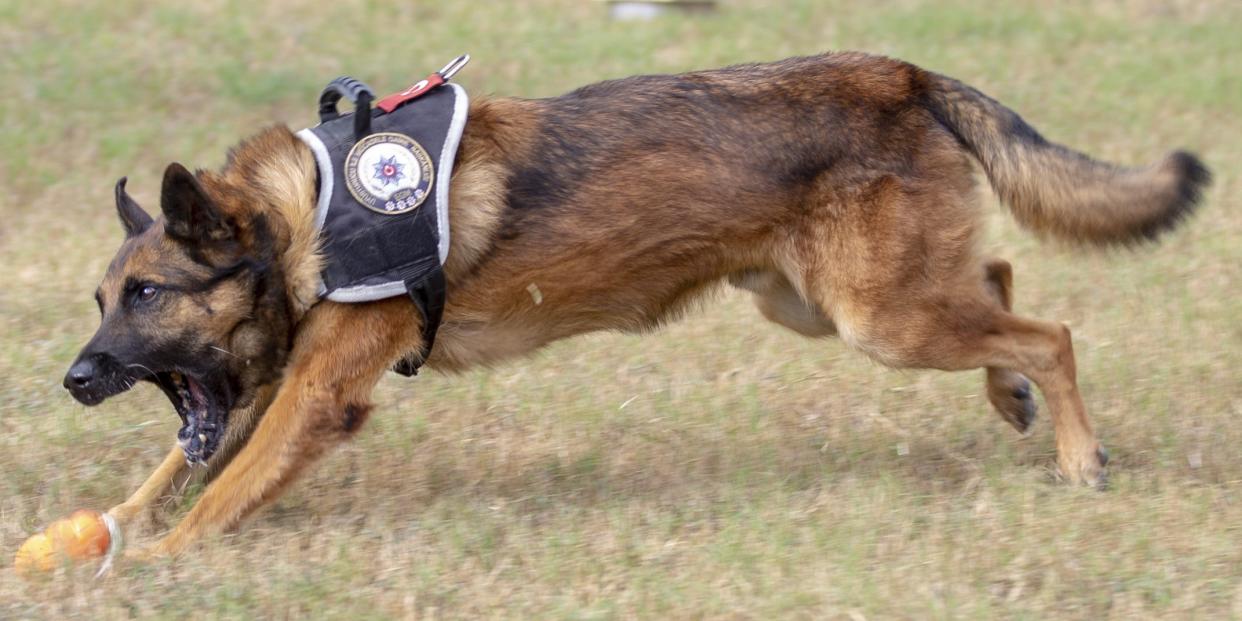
<point>133,218</point>
<point>189,213</point>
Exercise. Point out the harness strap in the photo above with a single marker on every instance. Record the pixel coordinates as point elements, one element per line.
<point>427,293</point>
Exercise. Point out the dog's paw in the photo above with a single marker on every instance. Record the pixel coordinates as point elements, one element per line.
<point>1012,397</point>
<point>1089,469</point>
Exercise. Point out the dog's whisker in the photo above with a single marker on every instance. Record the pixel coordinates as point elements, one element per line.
<point>223,350</point>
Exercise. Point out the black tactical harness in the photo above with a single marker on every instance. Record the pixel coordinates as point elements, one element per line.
<point>382,211</point>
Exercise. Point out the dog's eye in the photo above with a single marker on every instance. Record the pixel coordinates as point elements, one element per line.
<point>147,293</point>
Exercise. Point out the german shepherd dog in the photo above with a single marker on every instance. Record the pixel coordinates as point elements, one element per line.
<point>837,189</point>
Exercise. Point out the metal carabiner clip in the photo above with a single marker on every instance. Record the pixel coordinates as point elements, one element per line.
<point>454,66</point>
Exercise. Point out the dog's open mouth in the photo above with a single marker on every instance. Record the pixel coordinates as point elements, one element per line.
<point>203,414</point>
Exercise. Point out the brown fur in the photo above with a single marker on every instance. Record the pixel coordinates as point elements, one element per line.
<point>838,189</point>
<point>1055,190</point>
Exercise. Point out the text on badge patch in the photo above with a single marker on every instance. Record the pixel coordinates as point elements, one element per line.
<point>389,173</point>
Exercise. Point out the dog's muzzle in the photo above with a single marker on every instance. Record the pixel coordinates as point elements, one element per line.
<point>95,377</point>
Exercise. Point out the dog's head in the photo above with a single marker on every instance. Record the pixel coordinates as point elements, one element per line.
<point>194,302</point>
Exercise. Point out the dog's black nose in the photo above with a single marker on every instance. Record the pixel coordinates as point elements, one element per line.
<point>80,375</point>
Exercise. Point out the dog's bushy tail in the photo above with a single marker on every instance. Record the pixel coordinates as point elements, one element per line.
<point>1051,189</point>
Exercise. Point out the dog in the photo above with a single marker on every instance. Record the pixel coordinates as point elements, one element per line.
<point>839,190</point>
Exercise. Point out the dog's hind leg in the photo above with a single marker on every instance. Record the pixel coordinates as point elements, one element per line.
<point>896,270</point>
<point>950,329</point>
<point>1008,390</point>
<point>340,353</point>
<point>953,323</point>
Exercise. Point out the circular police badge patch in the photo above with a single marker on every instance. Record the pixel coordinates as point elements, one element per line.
<point>388,173</point>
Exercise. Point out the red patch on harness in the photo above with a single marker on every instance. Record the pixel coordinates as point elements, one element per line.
<point>394,101</point>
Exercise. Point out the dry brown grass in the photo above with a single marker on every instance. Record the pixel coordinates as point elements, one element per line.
<point>721,468</point>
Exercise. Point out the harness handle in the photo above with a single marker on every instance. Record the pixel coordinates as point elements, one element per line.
<point>360,94</point>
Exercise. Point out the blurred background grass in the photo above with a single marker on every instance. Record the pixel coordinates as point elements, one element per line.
<point>722,468</point>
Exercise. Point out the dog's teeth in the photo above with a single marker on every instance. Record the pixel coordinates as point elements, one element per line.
<point>202,437</point>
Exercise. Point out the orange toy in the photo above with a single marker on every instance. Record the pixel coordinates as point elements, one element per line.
<point>83,535</point>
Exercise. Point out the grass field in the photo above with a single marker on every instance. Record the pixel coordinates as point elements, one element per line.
<point>722,468</point>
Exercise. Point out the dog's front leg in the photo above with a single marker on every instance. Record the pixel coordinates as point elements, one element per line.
<point>241,425</point>
<point>160,480</point>
<point>339,354</point>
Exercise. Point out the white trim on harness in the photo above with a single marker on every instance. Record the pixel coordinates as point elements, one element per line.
<point>326,179</point>
<point>443,177</point>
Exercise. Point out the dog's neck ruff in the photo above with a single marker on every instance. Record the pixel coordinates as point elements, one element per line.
<point>383,207</point>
